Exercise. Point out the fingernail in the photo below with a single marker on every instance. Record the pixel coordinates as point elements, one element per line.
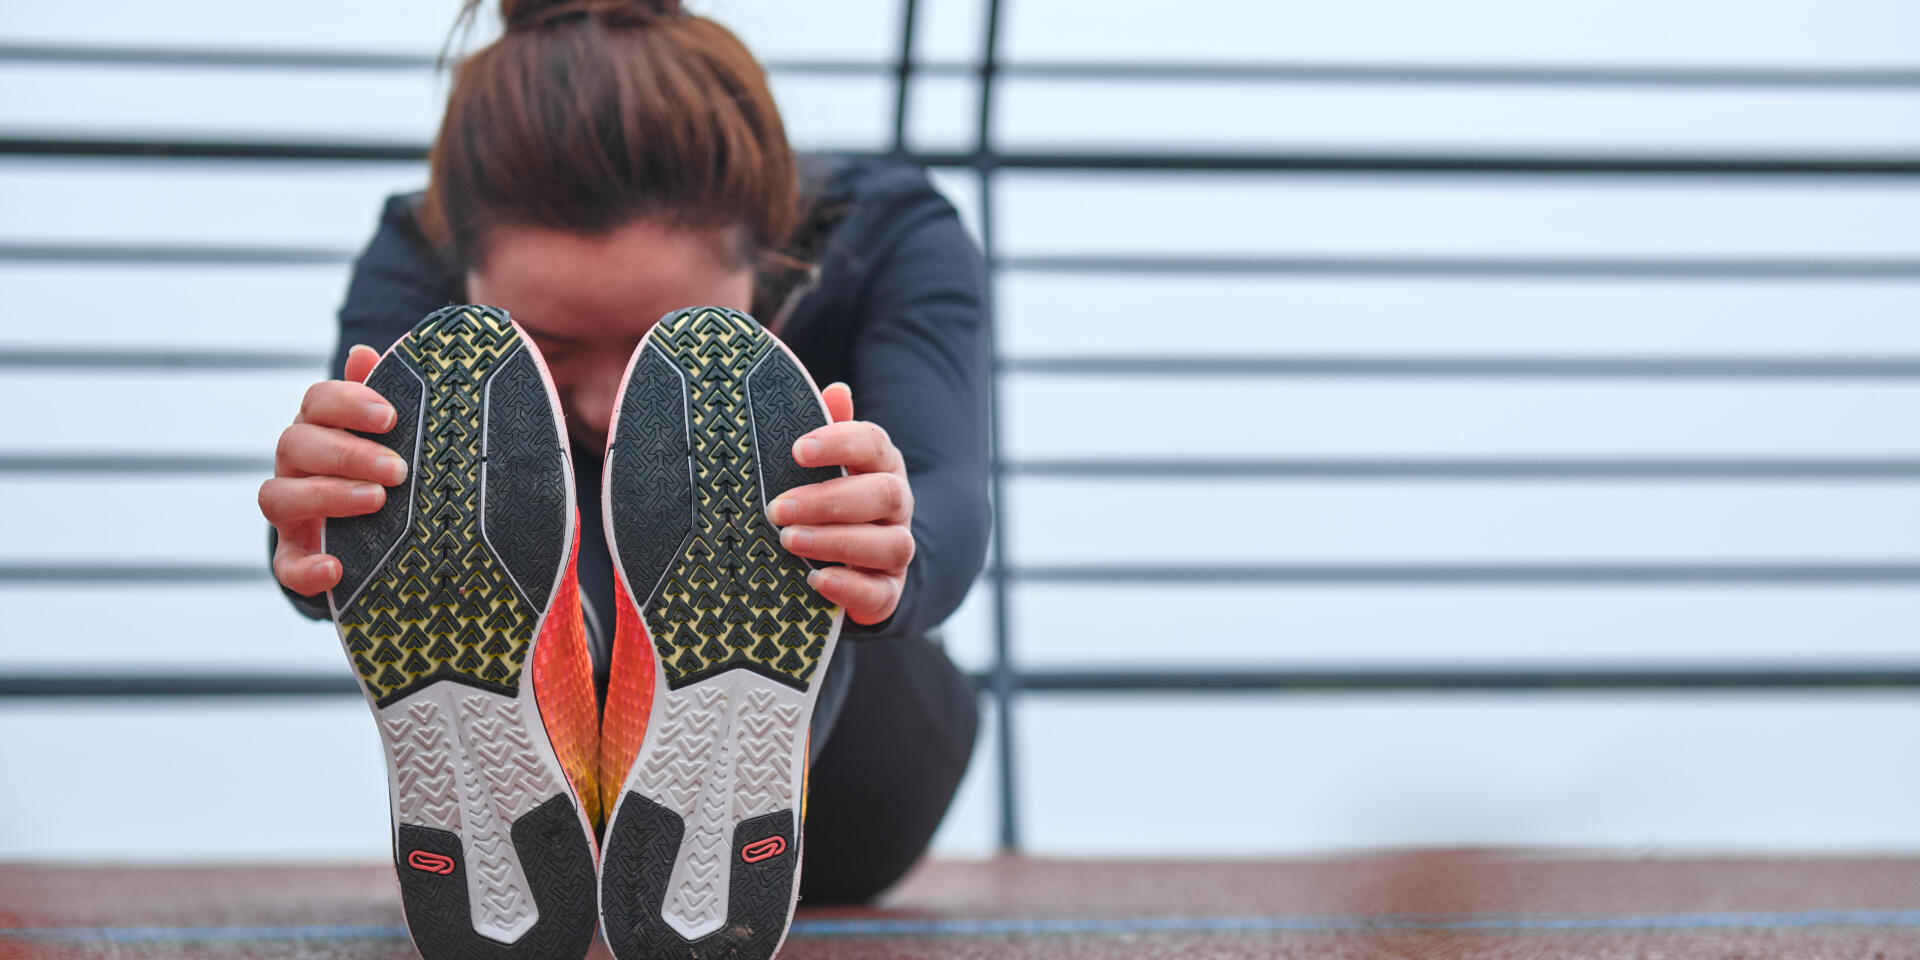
<point>779,510</point>
<point>392,469</point>
<point>807,450</point>
<point>796,539</point>
<point>820,580</point>
<point>380,415</point>
<point>367,496</point>
<point>325,567</point>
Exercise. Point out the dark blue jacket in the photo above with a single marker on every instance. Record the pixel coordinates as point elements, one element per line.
<point>896,308</point>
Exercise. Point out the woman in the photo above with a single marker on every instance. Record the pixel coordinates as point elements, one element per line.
<point>604,163</point>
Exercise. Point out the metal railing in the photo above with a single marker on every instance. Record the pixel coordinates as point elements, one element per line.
<point>1002,682</point>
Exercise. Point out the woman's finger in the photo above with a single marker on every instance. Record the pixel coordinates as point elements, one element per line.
<point>868,597</point>
<point>303,571</point>
<point>287,500</point>
<point>307,450</point>
<point>348,403</point>
<point>859,498</point>
<point>348,406</point>
<point>360,362</point>
<point>858,445</point>
<point>871,545</point>
<point>839,400</point>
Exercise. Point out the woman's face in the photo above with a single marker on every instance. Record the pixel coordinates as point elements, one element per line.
<point>587,299</point>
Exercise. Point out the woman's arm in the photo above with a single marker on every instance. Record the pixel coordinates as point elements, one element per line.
<point>920,364</point>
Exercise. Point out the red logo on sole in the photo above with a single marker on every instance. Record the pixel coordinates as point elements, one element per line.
<point>430,862</point>
<point>762,849</point>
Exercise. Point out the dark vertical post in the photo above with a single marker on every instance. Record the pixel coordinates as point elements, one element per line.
<point>1001,677</point>
<point>903,74</point>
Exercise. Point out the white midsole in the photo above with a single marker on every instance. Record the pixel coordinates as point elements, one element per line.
<point>473,762</point>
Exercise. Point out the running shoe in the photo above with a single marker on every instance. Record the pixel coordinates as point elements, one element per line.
<point>459,610</point>
<point>720,645</point>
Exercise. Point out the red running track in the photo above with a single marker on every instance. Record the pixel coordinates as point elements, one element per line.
<point>1430,904</point>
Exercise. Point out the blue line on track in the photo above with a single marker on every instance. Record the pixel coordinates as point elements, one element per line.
<point>1041,927</point>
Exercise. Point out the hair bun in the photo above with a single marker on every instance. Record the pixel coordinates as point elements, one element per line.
<point>531,14</point>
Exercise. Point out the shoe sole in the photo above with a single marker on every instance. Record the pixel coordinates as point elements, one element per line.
<point>442,598</point>
<point>702,852</point>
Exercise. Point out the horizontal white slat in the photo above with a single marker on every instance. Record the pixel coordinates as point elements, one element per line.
<point>368,25</point>
<point>173,307</point>
<point>823,114</point>
<point>205,519</point>
<point>840,29</point>
<point>962,189</point>
<point>1066,416</point>
<point>1062,416</point>
<point>223,628</point>
<point>1861,32</point>
<point>967,635</point>
<point>155,413</point>
<point>173,102</point>
<point>971,825</point>
<point>345,106</point>
<point>292,308</point>
<point>1076,521</point>
<point>326,205</point>
<point>237,773</point>
<point>1723,32</point>
<point>950,29</point>
<point>1189,117</point>
<point>1068,626</point>
<point>1331,773</point>
<point>1247,214</point>
<point>1257,775</point>
<point>335,206</point>
<point>1161,316</point>
<point>943,113</point>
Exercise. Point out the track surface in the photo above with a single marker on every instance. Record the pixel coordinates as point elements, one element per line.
<point>1450,904</point>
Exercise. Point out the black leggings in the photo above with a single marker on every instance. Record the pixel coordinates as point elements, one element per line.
<point>895,749</point>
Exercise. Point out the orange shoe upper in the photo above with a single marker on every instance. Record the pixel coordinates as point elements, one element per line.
<point>629,697</point>
<point>563,687</point>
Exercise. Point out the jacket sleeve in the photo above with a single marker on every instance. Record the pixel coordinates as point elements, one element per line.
<point>920,365</point>
<point>396,280</point>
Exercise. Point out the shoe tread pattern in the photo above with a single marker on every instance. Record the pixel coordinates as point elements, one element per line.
<point>732,597</point>
<point>361,542</point>
<point>687,766</point>
<point>764,736</point>
<point>525,481</point>
<point>650,471</point>
<point>443,605</point>
<point>784,408</point>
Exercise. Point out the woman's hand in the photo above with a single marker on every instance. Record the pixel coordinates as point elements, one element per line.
<point>320,470</point>
<point>862,520</point>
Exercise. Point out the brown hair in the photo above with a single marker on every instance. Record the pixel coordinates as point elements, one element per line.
<point>587,114</point>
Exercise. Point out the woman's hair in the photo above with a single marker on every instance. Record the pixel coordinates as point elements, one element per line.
<point>587,114</point>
